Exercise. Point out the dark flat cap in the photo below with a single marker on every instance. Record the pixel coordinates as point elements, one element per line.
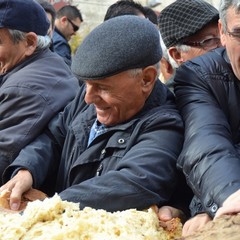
<point>116,45</point>
<point>23,15</point>
<point>184,18</point>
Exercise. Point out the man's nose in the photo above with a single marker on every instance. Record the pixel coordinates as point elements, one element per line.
<point>91,95</point>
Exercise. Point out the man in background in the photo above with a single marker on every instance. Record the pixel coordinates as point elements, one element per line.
<point>67,23</point>
<point>189,28</point>
<point>51,15</point>
<point>124,7</point>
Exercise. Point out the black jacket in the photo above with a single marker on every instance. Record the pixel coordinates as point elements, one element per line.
<point>208,96</point>
<point>132,165</point>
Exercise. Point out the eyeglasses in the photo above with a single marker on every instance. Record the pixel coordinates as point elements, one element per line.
<point>234,34</point>
<point>206,43</point>
<point>74,26</point>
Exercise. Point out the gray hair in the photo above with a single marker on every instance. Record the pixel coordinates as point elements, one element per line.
<point>166,54</point>
<point>43,42</point>
<point>183,48</point>
<point>223,7</point>
<point>136,71</point>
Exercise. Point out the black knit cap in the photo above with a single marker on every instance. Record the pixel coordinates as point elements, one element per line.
<point>184,18</point>
<point>118,44</point>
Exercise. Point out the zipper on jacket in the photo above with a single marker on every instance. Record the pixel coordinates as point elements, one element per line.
<point>99,170</point>
<point>100,167</point>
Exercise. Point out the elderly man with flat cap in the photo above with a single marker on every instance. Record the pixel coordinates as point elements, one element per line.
<point>119,150</point>
<point>189,28</point>
<point>35,83</point>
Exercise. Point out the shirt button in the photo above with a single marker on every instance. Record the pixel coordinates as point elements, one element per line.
<point>121,140</point>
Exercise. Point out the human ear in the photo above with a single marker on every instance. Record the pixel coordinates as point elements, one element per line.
<point>30,43</point>
<point>176,55</point>
<point>149,77</point>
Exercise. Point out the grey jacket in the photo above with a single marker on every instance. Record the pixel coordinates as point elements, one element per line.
<point>30,95</point>
<point>208,97</point>
<point>132,165</point>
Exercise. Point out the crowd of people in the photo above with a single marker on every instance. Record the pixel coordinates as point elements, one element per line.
<point>145,112</point>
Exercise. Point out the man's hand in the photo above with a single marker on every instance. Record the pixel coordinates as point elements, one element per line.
<point>195,223</point>
<point>230,206</point>
<point>19,184</point>
<point>166,213</point>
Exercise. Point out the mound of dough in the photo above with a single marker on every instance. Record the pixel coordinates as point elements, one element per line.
<point>226,227</point>
<point>55,219</point>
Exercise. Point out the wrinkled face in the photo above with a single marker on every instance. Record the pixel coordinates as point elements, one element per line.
<point>206,33</point>
<point>10,53</point>
<point>116,98</point>
<point>232,41</point>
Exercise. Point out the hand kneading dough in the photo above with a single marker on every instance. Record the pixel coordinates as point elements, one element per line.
<point>29,196</point>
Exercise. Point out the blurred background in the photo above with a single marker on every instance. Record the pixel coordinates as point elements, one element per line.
<point>93,12</point>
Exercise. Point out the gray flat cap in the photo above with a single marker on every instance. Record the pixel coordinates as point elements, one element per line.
<point>116,45</point>
<point>184,18</point>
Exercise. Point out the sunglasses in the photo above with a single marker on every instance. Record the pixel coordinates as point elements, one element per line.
<point>74,26</point>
